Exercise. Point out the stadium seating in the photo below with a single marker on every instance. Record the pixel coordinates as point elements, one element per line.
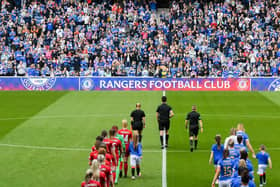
<point>131,38</point>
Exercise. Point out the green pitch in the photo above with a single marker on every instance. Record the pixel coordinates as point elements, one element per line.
<point>46,137</point>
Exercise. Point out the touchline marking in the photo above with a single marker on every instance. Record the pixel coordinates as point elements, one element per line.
<point>164,176</point>
<point>89,150</point>
<point>261,116</point>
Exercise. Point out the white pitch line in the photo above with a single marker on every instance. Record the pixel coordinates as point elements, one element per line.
<point>45,148</point>
<point>164,175</point>
<point>148,115</point>
<point>88,149</point>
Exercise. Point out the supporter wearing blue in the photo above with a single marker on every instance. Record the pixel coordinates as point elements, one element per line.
<point>241,132</point>
<point>179,29</point>
<point>31,71</point>
<point>153,5</point>
<point>224,171</point>
<point>263,161</point>
<point>216,151</point>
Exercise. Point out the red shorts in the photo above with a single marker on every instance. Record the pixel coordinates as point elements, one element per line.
<point>126,150</point>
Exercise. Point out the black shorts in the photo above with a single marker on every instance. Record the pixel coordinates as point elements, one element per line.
<point>163,124</point>
<point>193,131</point>
<point>137,126</point>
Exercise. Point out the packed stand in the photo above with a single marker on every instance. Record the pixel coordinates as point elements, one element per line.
<point>130,38</point>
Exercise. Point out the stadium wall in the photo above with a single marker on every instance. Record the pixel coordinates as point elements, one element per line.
<point>140,84</point>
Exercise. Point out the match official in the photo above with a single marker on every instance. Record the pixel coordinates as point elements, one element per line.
<point>164,113</point>
<point>193,118</point>
<point>138,121</point>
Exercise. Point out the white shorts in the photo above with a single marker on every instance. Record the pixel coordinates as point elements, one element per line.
<point>261,169</point>
<point>134,160</point>
<point>225,183</point>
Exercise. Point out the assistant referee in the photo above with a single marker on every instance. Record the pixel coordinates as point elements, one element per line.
<point>138,121</point>
<point>194,120</point>
<point>164,113</point>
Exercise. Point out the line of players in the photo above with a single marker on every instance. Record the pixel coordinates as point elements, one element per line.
<point>233,168</point>
<point>109,157</point>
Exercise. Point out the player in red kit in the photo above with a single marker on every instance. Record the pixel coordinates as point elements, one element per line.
<point>107,141</point>
<point>98,139</point>
<point>98,175</point>
<point>109,146</point>
<point>94,153</point>
<point>108,157</point>
<point>127,135</point>
<point>89,181</point>
<point>117,146</point>
<point>106,170</point>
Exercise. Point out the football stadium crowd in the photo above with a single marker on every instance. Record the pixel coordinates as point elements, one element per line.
<point>233,168</point>
<point>192,38</point>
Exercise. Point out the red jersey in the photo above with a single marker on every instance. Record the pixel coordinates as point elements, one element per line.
<point>93,148</point>
<point>108,143</point>
<point>93,155</point>
<point>107,171</point>
<point>91,183</point>
<point>117,144</point>
<point>102,179</point>
<point>108,159</point>
<point>126,134</point>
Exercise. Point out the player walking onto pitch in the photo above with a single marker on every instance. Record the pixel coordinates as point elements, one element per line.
<point>263,160</point>
<point>224,171</point>
<point>117,147</point>
<point>89,180</point>
<point>193,118</point>
<point>127,135</point>
<point>138,121</point>
<point>106,170</point>
<point>241,132</point>
<point>120,161</point>
<point>216,152</point>
<point>231,137</point>
<point>164,113</point>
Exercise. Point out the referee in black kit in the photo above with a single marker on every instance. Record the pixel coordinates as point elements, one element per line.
<point>193,118</point>
<point>164,113</point>
<point>138,121</point>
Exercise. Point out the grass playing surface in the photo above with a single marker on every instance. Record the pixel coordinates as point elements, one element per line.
<point>45,137</point>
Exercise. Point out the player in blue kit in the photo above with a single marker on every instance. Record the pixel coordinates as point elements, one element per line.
<point>216,152</point>
<point>224,171</point>
<point>243,180</point>
<point>237,171</point>
<point>244,156</point>
<point>241,132</point>
<point>239,146</point>
<point>233,153</point>
<point>263,161</point>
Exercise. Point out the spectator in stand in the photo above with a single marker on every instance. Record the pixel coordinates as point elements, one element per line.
<point>191,39</point>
